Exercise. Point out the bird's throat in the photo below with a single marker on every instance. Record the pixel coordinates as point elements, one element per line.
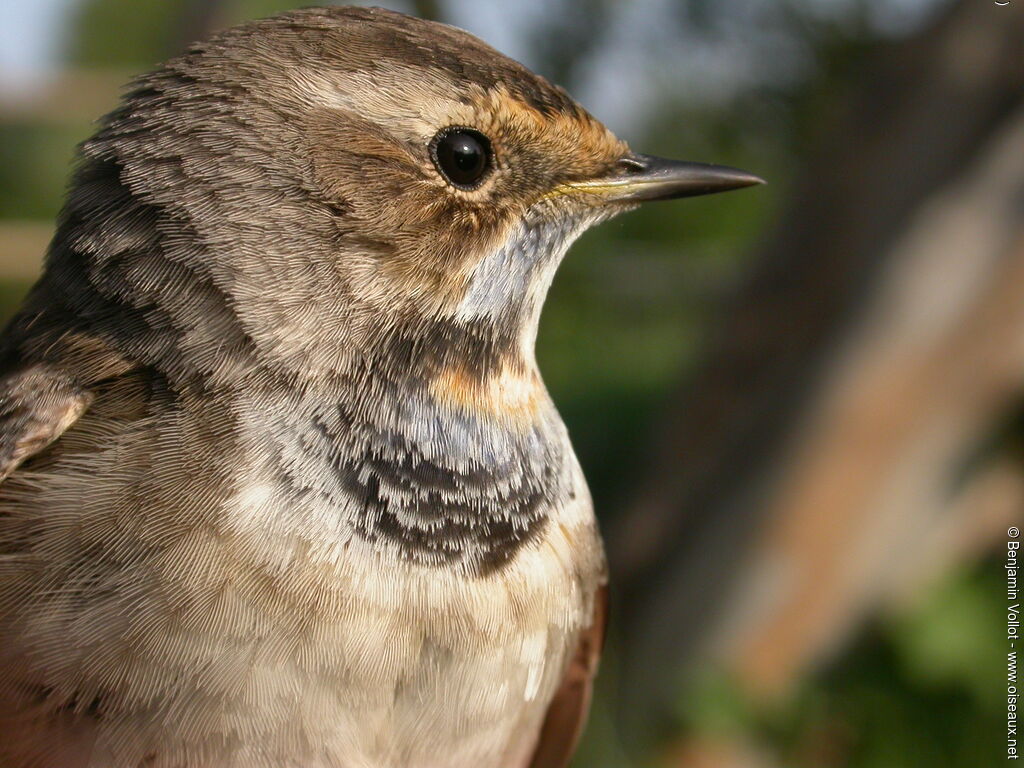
<point>507,288</point>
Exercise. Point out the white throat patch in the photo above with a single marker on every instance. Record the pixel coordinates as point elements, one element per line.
<point>514,280</point>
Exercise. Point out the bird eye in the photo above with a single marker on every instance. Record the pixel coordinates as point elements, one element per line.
<point>463,156</point>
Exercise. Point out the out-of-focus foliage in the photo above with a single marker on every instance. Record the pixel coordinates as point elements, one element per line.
<point>122,34</point>
<point>914,691</point>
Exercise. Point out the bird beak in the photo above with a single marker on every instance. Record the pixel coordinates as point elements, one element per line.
<point>645,177</point>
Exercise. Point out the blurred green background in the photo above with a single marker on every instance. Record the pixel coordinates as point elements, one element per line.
<point>806,553</point>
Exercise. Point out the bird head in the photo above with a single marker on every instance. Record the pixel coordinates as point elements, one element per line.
<point>314,188</point>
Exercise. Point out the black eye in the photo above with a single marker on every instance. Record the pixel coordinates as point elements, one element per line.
<point>463,156</point>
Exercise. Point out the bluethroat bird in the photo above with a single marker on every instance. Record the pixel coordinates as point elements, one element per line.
<point>282,486</point>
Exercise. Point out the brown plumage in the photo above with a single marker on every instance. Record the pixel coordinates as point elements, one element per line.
<point>281,483</point>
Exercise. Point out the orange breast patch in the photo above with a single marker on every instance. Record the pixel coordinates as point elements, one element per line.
<point>512,394</point>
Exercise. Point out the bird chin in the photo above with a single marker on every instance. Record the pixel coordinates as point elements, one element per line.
<point>508,285</point>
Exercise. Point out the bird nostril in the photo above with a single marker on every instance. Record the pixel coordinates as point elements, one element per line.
<point>630,164</point>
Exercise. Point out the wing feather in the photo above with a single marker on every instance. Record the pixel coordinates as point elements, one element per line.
<point>567,713</point>
<point>37,404</point>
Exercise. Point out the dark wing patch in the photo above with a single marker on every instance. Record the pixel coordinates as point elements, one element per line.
<point>567,713</point>
<point>36,405</point>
